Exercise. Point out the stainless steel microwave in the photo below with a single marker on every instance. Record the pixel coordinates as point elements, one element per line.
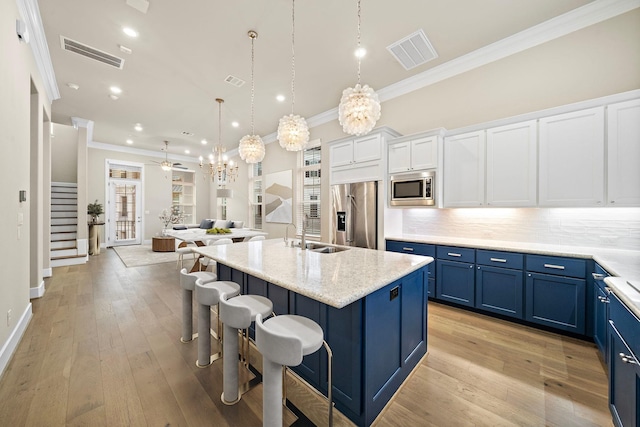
<point>416,189</point>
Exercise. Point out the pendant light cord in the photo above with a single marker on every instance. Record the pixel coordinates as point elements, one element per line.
<point>293,54</point>
<point>252,85</point>
<point>219,159</point>
<point>358,41</point>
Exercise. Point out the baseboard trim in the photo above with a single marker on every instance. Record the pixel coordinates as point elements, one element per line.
<point>47,272</point>
<point>10,346</point>
<point>37,292</point>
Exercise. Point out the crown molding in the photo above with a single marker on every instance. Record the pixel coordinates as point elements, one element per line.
<point>30,12</point>
<point>577,19</point>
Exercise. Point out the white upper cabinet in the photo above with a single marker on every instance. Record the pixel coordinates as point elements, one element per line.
<point>623,153</point>
<point>572,159</point>
<point>512,165</point>
<point>367,148</point>
<point>341,154</point>
<point>413,155</point>
<point>464,170</point>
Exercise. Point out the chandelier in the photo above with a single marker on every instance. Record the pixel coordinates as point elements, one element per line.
<point>251,148</point>
<point>359,108</point>
<point>219,166</point>
<point>293,132</point>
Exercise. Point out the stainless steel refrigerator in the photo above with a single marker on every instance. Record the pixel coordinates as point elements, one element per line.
<point>355,214</point>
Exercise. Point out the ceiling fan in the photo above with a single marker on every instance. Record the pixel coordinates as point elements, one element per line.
<point>166,165</point>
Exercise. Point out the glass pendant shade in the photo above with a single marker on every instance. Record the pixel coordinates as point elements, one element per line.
<point>293,132</point>
<point>359,110</point>
<point>251,149</point>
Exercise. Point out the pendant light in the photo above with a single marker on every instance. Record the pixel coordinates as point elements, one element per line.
<point>251,148</point>
<point>359,108</point>
<point>219,166</point>
<point>293,132</point>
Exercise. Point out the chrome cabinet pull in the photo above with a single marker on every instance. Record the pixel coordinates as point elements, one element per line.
<point>498,259</point>
<point>555,267</point>
<point>408,249</point>
<point>597,276</point>
<point>627,359</point>
<point>453,254</point>
<point>602,299</point>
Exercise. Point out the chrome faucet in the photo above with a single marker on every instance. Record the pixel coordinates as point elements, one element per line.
<point>303,242</point>
<point>286,234</point>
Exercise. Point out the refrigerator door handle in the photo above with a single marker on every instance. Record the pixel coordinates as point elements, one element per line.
<point>351,201</point>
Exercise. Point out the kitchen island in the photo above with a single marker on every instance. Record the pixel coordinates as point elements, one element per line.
<point>371,305</point>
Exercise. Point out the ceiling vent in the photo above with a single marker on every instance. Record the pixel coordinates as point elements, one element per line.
<point>235,81</point>
<point>91,53</point>
<point>413,50</point>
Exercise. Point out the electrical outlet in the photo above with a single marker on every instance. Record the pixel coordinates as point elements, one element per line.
<point>9,317</point>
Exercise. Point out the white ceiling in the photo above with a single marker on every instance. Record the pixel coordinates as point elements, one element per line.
<point>187,48</point>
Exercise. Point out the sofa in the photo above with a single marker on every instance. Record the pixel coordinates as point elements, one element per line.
<point>207,223</point>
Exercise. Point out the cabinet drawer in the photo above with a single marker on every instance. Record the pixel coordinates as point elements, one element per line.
<point>453,253</point>
<point>411,248</point>
<point>626,323</point>
<point>559,266</point>
<point>500,259</point>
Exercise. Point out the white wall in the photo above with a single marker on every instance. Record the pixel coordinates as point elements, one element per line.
<point>64,153</point>
<point>617,228</point>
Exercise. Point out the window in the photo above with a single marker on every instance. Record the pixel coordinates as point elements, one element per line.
<point>255,189</point>
<point>309,177</point>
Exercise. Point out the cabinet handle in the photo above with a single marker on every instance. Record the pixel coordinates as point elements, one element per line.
<point>478,267</point>
<point>602,299</point>
<point>498,259</point>
<point>597,276</point>
<point>408,249</point>
<point>555,267</point>
<point>471,266</point>
<point>453,254</point>
<point>627,359</point>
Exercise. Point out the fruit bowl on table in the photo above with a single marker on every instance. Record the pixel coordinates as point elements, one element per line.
<point>218,231</point>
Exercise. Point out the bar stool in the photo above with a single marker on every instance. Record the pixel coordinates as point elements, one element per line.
<point>285,340</point>
<point>255,238</point>
<point>182,250</point>
<point>207,295</point>
<point>238,313</point>
<point>188,284</point>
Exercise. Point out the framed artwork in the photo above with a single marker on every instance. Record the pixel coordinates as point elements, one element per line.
<point>278,195</point>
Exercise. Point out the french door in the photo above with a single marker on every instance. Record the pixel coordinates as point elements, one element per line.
<point>124,216</point>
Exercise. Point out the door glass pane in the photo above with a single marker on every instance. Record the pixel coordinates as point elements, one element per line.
<point>126,212</point>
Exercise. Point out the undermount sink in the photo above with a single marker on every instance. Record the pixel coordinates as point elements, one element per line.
<point>324,249</point>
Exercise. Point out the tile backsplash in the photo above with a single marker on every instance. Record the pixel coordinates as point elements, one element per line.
<point>601,227</point>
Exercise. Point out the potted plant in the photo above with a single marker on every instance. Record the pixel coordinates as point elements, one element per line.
<point>95,210</point>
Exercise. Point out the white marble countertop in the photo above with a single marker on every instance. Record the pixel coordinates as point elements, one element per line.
<point>618,262</point>
<point>336,279</point>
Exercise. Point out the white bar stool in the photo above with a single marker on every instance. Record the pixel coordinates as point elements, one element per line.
<point>238,313</point>
<point>182,250</point>
<point>285,340</point>
<point>207,295</point>
<point>188,284</point>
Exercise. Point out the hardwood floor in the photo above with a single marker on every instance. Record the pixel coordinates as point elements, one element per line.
<point>103,349</point>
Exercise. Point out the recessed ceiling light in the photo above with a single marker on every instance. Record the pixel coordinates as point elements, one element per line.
<point>280,98</point>
<point>73,86</point>
<point>204,142</point>
<point>129,141</point>
<point>235,124</point>
<point>187,151</point>
<point>360,52</point>
<point>138,127</point>
<point>115,89</point>
<point>113,97</point>
<point>130,32</point>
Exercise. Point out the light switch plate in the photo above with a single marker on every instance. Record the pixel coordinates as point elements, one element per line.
<point>20,218</point>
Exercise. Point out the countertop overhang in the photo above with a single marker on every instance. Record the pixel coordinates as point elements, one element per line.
<point>336,279</point>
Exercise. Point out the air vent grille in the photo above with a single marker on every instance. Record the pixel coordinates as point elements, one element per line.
<point>235,81</point>
<point>91,53</point>
<point>413,50</point>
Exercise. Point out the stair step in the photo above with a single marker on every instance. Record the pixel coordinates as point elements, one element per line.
<point>63,253</point>
<point>59,201</point>
<point>64,208</point>
<point>65,214</point>
<point>64,221</point>
<point>62,237</point>
<point>59,195</point>
<point>64,228</point>
<point>71,260</point>
<point>63,244</point>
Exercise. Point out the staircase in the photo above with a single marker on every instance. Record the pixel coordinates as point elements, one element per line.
<point>64,225</point>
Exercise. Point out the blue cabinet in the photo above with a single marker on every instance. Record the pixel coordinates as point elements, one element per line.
<point>600,316</point>
<point>499,282</point>
<point>417,249</point>
<point>455,278</point>
<point>624,368</point>
<point>558,297</point>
